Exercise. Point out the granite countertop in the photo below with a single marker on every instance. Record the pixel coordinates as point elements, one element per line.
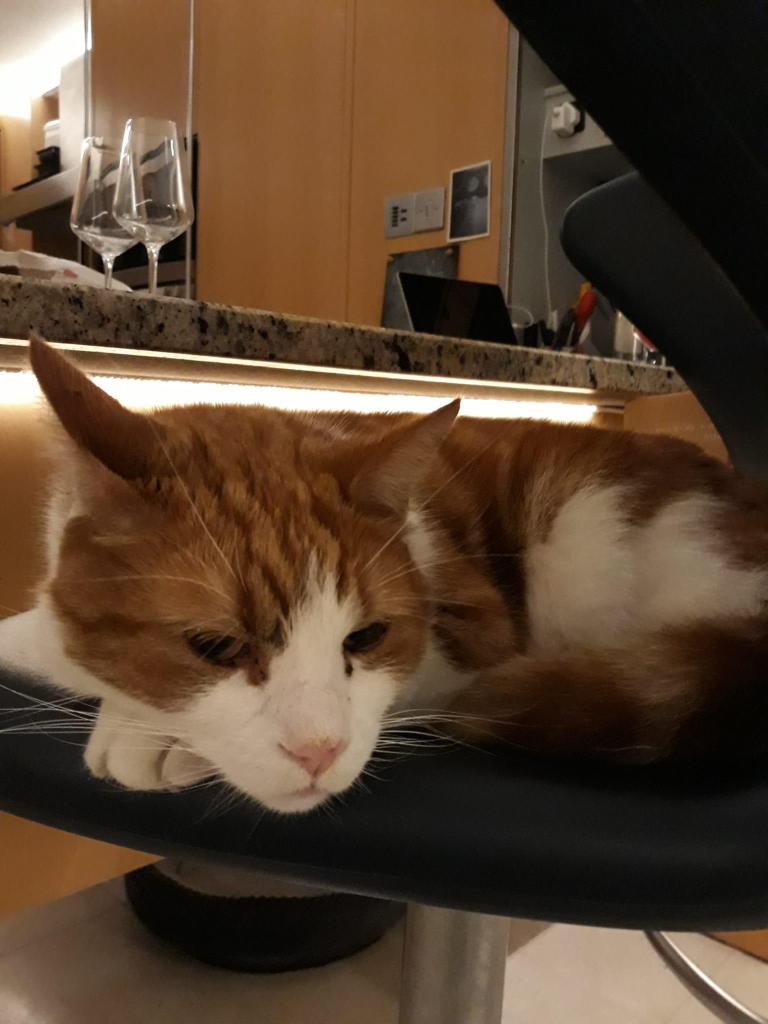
<point>123,320</point>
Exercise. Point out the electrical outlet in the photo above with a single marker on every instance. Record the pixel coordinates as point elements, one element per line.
<point>398,215</point>
<point>428,210</point>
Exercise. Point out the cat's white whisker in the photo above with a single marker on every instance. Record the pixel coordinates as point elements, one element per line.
<point>327,808</point>
<point>405,524</point>
<point>384,546</point>
<point>60,704</point>
<point>462,469</point>
<point>35,701</point>
<point>421,566</point>
<point>193,787</point>
<point>240,575</point>
<point>45,727</point>
<point>222,802</point>
<point>256,824</point>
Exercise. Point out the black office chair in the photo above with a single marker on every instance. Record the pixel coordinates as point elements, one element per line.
<point>466,837</point>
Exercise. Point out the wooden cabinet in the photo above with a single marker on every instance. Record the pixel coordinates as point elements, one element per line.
<point>272,116</point>
<point>429,96</point>
<point>139,62</point>
<point>308,115</point>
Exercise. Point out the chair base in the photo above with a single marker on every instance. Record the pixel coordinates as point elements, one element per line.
<point>453,967</point>
<point>259,934</point>
<point>709,994</point>
<point>453,971</point>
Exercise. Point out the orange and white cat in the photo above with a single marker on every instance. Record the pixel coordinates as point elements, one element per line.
<point>257,593</point>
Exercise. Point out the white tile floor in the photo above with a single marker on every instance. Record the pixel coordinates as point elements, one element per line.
<point>85,960</point>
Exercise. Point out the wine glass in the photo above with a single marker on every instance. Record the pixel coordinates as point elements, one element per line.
<point>153,200</point>
<point>92,219</point>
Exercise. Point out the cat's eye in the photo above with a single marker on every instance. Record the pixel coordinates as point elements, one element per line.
<point>219,650</point>
<point>277,636</point>
<point>364,639</point>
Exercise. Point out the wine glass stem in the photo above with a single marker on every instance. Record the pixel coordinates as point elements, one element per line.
<point>153,253</point>
<point>109,266</point>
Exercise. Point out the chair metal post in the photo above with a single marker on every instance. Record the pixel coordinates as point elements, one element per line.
<point>709,994</point>
<point>453,967</point>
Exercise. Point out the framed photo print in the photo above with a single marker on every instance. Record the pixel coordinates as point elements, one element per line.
<point>469,205</point>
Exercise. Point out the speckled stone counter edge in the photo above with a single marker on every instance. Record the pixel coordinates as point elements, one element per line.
<point>123,320</point>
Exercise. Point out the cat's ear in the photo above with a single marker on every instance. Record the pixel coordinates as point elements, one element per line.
<point>393,468</point>
<point>121,440</point>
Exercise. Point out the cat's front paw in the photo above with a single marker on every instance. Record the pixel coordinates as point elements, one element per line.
<point>138,757</point>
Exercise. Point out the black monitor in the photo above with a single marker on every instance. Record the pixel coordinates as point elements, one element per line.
<point>456,309</point>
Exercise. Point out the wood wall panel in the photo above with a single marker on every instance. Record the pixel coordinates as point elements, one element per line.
<point>429,97</point>
<point>16,166</point>
<point>272,110</point>
<point>754,943</point>
<point>308,115</point>
<point>139,62</point>
<point>24,472</point>
<point>677,415</point>
<point>16,155</point>
<point>39,864</point>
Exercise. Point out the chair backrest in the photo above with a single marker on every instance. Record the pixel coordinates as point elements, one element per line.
<point>682,90</point>
<point>628,242</point>
<point>681,87</point>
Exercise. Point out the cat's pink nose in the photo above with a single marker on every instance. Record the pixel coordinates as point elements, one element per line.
<point>315,758</point>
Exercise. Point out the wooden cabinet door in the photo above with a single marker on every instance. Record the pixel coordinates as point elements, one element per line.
<point>272,115</point>
<point>430,88</point>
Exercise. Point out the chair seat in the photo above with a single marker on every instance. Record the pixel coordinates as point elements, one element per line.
<point>590,844</point>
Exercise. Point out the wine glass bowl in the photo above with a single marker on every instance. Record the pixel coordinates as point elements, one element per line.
<point>153,201</point>
<point>92,218</point>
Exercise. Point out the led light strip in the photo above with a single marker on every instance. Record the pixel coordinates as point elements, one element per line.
<point>20,388</point>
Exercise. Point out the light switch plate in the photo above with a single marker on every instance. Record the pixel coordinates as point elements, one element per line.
<point>428,210</point>
<point>398,215</point>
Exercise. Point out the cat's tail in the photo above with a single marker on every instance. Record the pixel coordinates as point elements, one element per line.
<point>690,692</point>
